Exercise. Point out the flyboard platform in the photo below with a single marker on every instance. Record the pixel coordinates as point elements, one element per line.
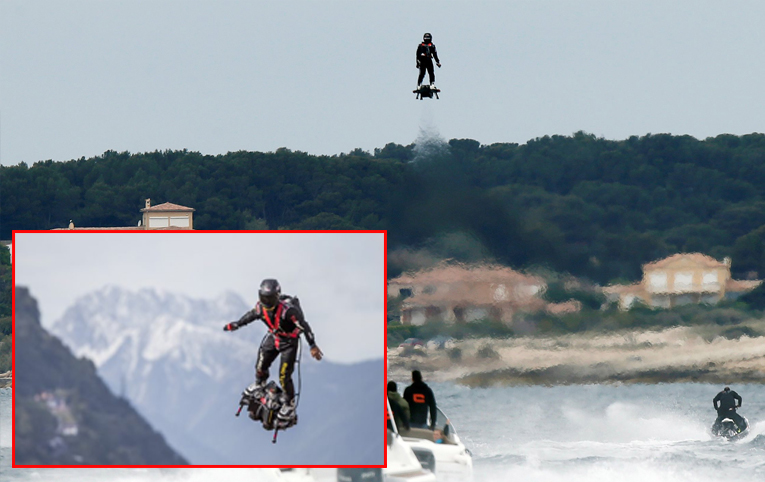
<point>428,91</point>
<point>263,404</point>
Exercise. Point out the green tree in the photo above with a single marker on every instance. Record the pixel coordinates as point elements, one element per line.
<point>749,253</point>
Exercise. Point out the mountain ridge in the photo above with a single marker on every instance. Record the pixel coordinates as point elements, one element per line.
<point>65,414</point>
<point>171,358</point>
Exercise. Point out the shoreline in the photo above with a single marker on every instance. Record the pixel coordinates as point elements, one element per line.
<point>6,380</point>
<point>671,355</point>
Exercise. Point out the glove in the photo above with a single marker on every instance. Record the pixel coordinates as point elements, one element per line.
<point>418,65</point>
<point>316,353</point>
<point>234,325</point>
<point>439,65</point>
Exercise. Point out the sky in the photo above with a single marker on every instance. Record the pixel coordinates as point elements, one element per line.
<point>339,278</point>
<point>78,78</point>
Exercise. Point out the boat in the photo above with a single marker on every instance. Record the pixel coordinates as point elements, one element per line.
<point>295,474</point>
<point>441,450</point>
<point>402,463</point>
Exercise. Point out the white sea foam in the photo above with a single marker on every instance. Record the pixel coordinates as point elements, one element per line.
<point>603,432</point>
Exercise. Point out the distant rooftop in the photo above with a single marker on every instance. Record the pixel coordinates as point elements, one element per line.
<point>698,258</point>
<point>455,273</point>
<point>166,207</point>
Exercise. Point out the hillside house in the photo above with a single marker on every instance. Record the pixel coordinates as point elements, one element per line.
<point>459,294</point>
<point>161,216</point>
<point>167,215</point>
<point>681,279</point>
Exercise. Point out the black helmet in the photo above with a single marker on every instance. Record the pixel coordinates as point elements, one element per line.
<point>269,293</point>
<point>427,38</point>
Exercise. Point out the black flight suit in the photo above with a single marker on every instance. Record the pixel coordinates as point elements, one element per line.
<point>426,52</point>
<point>725,404</point>
<point>421,399</point>
<point>285,323</point>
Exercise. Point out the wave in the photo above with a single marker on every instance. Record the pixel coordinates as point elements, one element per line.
<point>626,422</point>
<point>596,470</point>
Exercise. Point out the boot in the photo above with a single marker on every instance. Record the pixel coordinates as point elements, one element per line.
<point>255,390</point>
<point>287,411</point>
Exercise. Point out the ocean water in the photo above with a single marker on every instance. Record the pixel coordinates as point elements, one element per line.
<point>586,433</point>
<point>604,433</point>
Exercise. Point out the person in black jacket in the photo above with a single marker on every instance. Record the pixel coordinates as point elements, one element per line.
<point>421,400</point>
<point>285,321</point>
<point>426,53</point>
<point>725,404</point>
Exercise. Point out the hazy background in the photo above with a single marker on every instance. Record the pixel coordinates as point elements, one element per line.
<point>78,78</point>
<point>339,277</point>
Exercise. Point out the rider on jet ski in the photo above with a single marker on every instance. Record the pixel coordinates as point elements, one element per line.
<point>725,404</point>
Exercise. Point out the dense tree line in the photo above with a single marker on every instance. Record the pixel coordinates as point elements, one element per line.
<point>579,204</point>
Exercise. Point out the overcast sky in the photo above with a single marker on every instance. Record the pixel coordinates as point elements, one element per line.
<point>339,278</point>
<point>78,78</point>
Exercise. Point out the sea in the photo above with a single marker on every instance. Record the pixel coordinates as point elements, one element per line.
<point>592,433</point>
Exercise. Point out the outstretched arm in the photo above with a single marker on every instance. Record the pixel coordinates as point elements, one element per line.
<point>246,319</point>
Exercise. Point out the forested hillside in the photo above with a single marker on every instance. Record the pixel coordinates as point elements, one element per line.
<point>588,206</point>
<point>65,414</point>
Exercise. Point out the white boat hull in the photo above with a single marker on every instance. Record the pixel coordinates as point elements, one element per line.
<point>453,462</point>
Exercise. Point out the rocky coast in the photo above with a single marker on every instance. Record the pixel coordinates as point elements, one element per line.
<point>707,354</point>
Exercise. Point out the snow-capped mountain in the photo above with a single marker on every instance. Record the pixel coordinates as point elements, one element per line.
<point>169,356</point>
<point>129,334</point>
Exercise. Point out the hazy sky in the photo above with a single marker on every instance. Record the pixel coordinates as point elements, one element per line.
<point>339,278</point>
<point>78,78</point>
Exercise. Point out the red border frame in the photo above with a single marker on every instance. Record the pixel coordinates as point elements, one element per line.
<point>192,231</point>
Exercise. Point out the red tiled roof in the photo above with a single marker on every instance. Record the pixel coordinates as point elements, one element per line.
<point>470,285</point>
<point>167,207</point>
<point>698,258</point>
<point>455,273</point>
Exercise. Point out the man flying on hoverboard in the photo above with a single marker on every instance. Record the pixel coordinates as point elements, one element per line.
<point>426,53</point>
<point>285,321</point>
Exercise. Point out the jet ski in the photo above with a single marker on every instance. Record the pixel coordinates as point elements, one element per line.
<point>728,429</point>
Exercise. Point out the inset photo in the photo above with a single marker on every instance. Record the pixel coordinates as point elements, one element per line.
<point>189,348</point>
